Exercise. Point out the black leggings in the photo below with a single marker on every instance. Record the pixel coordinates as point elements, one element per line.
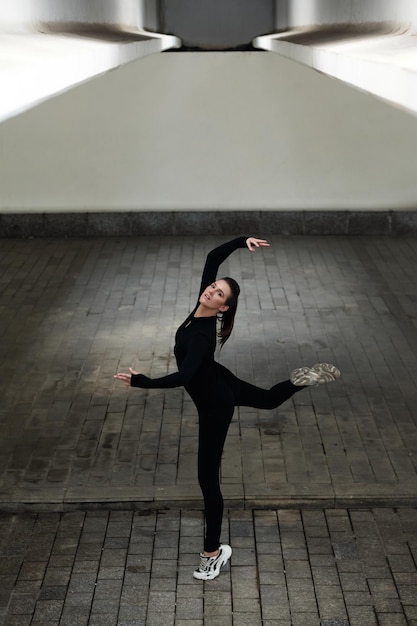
<point>214,421</point>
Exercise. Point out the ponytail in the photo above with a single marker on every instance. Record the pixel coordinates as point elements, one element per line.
<point>227,318</point>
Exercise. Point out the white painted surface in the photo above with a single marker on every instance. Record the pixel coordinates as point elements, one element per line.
<point>298,13</point>
<point>40,59</point>
<point>192,131</point>
<point>384,64</point>
<point>30,15</point>
<point>35,67</point>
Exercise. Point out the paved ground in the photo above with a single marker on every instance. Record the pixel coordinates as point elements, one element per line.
<point>118,568</point>
<point>74,444</point>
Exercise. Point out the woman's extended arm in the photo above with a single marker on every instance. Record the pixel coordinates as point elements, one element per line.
<point>216,257</point>
<point>189,367</point>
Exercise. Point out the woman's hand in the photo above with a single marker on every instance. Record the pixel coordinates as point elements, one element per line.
<point>126,378</point>
<point>254,243</point>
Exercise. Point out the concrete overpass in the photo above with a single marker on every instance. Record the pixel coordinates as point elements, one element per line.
<point>47,47</point>
<point>138,108</point>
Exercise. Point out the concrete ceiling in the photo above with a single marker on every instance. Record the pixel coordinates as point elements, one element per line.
<point>49,46</point>
<point>378,58</point>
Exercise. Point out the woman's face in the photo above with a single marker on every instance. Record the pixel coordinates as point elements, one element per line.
<point>215,296</point>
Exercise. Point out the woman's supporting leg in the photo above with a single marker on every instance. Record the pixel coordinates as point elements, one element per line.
<point>213,426</point>
<point>214,421</point>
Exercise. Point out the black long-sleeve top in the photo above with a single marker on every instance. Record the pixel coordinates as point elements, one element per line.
<point>195,339</point>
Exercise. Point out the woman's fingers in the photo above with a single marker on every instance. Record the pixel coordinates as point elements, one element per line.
<point>125,378</point>
<point>254,242</point>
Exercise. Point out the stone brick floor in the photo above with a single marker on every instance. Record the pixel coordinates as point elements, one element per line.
<point>100,520</point>
<point>73,312</point>
<point>333,567</point>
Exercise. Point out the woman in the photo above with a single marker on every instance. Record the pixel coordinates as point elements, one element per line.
<point>216,391</point>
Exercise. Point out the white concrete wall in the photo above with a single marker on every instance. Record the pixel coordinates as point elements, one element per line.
<point>44,49</point>
<point>298,13</point>
<point>19,15</point>
<point>193,131</point>
<point>369,44</point>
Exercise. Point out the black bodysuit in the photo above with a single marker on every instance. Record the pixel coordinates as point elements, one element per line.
<point>215,392</point>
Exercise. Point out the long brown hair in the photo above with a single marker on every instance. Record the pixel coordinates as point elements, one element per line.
<point>227,318</point>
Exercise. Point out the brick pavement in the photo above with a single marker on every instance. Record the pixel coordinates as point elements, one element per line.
<point>73,312</point>
<point>122,568</point>
<point>75,445</point>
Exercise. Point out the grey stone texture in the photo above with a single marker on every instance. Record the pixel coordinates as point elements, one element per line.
<point>165,223</point>
<point>75,311</point>
<point>100,511</point>
<point>287,568</point>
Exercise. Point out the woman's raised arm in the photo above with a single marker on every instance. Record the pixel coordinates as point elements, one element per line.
<point>216,257</point>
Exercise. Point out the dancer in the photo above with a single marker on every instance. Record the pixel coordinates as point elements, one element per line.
<point>216,391</point>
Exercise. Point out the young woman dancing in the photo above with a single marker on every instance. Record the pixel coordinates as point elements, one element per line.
<point>216,391</point>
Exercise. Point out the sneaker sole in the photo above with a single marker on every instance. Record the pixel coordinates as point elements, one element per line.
<point>327,369</point>
<point>316,375</point>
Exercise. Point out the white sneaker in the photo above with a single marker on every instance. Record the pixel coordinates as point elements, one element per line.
<point>210,566</point>
<point>316,375</point>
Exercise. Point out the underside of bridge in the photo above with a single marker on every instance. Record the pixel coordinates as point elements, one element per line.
<point>48,47</point>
